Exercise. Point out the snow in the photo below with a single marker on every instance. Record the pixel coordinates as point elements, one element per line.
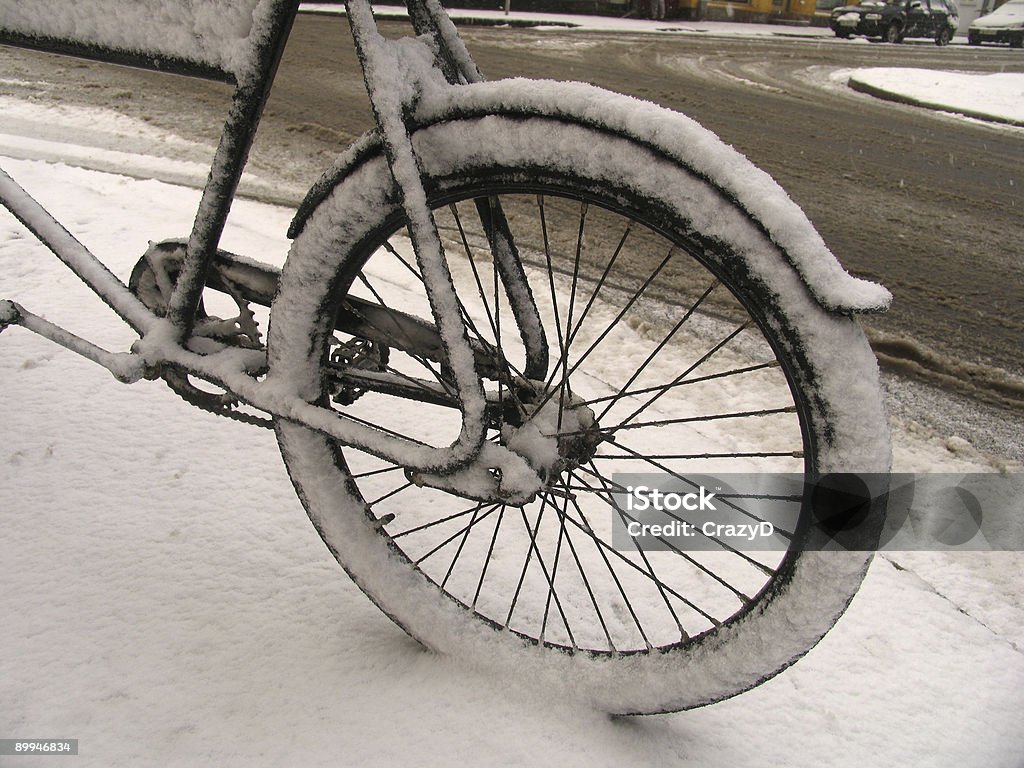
<point>173,600</point>
<point>997,96</point>
<point>211,32</point>
<point>168,602</point>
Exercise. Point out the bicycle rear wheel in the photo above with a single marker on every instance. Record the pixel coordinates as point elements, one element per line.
<point>676,345</point>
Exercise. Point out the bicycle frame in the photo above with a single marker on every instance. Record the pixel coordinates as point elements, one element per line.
<point>168,341</point>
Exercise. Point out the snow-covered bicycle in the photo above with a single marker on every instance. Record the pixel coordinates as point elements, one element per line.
<point>496,303</point>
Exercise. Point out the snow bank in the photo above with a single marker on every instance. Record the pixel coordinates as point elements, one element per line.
<point>998,97</point>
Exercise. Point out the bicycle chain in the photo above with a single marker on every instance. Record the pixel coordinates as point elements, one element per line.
<point>221,404</point>
<point>198,399</point>
<point>241,331</point>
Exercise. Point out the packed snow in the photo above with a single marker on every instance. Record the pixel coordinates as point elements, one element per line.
<point>169,603</point>
<point>997,96</point>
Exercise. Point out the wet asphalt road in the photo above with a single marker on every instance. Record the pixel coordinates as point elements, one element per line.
<point>928,204</point>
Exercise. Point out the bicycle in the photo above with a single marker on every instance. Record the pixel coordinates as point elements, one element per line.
<point>588,284</point>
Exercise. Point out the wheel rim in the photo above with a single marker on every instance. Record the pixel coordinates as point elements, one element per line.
<point>548,571</point>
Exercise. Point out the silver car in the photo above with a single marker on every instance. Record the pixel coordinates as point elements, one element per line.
<point>1003,25</point>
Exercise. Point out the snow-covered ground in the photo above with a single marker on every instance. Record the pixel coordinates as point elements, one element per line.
<point>168,603</point>
<point>997,96</point>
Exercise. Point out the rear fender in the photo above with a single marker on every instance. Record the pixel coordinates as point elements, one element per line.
<point>669,134</point>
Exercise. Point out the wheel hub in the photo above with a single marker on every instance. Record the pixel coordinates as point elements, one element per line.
<point>558,433</point>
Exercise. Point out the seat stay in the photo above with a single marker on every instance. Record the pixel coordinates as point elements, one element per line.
<point>396,74</point>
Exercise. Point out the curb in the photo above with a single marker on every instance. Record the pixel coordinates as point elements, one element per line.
<point>880,93</point>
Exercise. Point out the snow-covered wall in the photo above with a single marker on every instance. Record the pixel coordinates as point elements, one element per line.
<point>212,33</point>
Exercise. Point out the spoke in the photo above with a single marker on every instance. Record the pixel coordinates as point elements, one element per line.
<point>743,555</point>
<point>475,521</point>
<point>661,345</point>
<point>707,356</point>
<point>475,271</point>
<point>686,420</point>
<point>432,523</point>
<point>551,285</point>
<point>562,341</point>
<point>564,346</point>
<point>622,515</point>
<point>389,494</point>
<point>551,275</point>
<point>600,282</point>
<point>529,556</point>
<point>580,236</point>
<point>487,559</point>
<point>361,475</point>
<point>379,428</point>
<point>462,544</point>
<point>493,319</point>
<point>603,546</point>
<point>652,460</point>
<point>643,555</point>
<point>554,575</point>
<point>677,382</point>
<point>586,583</point>
<point>550,578</point>
<point>694,456</point>
<point>611,326</point>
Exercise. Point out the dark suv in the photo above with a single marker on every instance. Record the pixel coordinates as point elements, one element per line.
<point>894,20</point>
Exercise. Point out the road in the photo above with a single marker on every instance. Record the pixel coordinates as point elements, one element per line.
<point>928,204</point>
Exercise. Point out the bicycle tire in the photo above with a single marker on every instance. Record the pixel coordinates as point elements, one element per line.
<point>821,358</point>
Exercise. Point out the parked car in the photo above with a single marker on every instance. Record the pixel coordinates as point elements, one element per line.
<point>895,20</point>
<point>1004,25</point>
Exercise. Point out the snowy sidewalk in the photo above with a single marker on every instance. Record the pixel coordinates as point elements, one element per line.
<point>169,603</point>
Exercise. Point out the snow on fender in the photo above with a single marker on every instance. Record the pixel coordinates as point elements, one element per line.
<point>686,142</point>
